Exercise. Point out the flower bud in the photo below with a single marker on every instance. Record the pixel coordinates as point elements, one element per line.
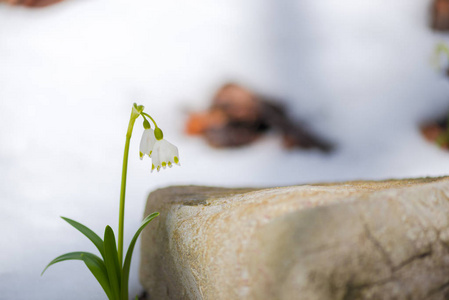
<point>146,124</point>
<point>158,134</point>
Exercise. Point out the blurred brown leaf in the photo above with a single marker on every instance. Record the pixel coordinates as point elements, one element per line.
<point>32,3</point>
<point>440,15</point>
<point>436,133</point>
<point>238,117</point>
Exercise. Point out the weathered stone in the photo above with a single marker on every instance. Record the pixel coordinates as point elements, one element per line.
<point>353,240</point>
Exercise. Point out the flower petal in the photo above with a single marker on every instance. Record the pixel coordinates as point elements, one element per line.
<point>164,154</point>
<point>147,143</point>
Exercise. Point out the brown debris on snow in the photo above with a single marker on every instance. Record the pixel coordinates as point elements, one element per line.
<point>238,117</point>
<point>31,3</point>
<point>440,15</point>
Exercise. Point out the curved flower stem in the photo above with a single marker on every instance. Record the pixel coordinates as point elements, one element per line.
<point>147,115</point>
<point>134,116</point>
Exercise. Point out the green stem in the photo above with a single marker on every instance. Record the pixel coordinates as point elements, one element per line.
<point>147,115</point>
<point>123,187</point>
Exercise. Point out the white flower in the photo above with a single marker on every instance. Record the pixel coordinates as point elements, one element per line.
<point>147,143</point>
<point>164,154</point>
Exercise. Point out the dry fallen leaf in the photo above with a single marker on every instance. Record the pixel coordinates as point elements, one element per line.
<point>238,117</point>
<point>31,3</point>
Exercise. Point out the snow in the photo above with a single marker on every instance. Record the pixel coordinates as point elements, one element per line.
<point>357,72</point>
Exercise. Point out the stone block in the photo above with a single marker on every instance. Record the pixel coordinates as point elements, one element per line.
<point>352,240</point>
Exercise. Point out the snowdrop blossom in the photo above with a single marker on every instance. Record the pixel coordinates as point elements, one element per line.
<point>147,143</point>
<point>164,154</point>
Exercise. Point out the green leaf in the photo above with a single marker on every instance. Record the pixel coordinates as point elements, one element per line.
<point>127,264</point>
<point>98,242</point>
<point>100,273</point>
<point>93,262</point>
<point>111,261</point>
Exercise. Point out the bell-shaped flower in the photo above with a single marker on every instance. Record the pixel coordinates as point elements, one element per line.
<point>147,143</point>
<point>164,154</point>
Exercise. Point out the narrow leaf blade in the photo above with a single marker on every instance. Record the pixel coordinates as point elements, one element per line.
<point>129,253</point>
<point>111,261</point>
<point>98,242</point>
<point>93,262</point>
<point>64,257</point>
<point>98,269</point>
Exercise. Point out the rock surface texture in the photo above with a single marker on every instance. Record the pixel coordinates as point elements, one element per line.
<point>353,240</point>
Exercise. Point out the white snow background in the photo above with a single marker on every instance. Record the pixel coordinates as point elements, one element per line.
<point>357,72</point>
